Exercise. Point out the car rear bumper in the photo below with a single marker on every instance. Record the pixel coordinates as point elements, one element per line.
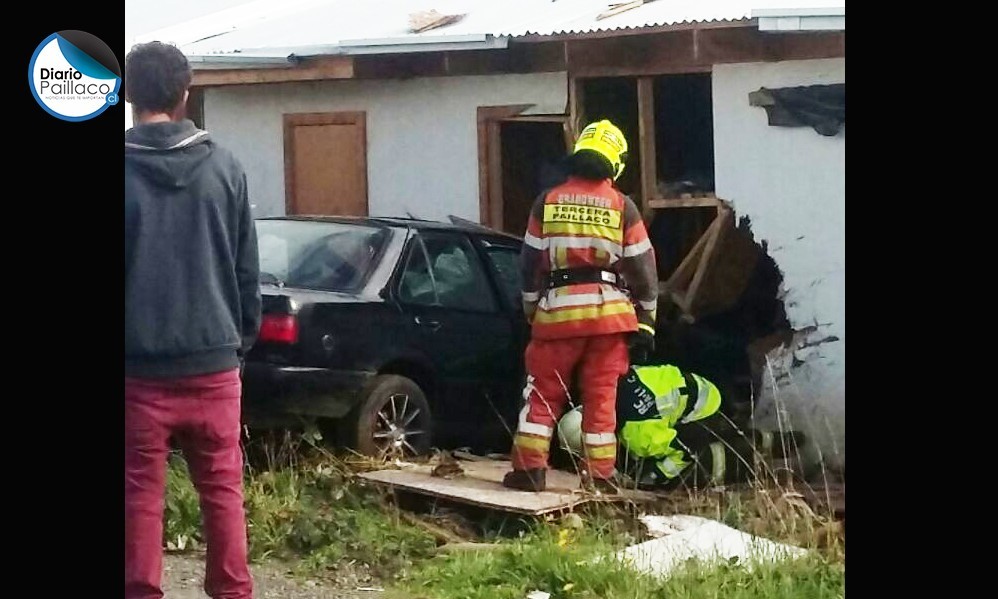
<point>271,391</point>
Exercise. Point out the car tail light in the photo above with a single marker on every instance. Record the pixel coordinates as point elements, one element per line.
<point>279,328</point>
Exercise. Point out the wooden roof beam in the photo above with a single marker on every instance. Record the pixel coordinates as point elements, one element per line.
<point>310,69</point>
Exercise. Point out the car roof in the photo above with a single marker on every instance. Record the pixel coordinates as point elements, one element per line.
<point>400,222</point>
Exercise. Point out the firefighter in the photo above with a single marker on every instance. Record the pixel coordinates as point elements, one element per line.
<point>670,420</point>
<point>584,238</point>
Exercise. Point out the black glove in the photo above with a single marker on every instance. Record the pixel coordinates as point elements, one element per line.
<point>642,345</point>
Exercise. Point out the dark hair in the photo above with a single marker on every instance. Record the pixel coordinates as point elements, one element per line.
<point>156,76</point>
<point>588,164</point>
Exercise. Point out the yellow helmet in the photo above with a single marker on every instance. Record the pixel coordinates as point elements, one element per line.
<point>606,139</point>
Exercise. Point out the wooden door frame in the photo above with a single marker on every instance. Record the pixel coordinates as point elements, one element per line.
<point>292,120</point>
<point>490,118</point>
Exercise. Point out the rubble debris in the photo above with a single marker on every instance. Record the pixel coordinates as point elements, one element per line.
<point>573,521</point>
<point>680,538</point>
<point>739,310</point>
<point>441,534</point>
<point>619,7</point>
<point>468,547</point>
<point>465,454</point>
<point>447,468</point>
<point>431,19</point>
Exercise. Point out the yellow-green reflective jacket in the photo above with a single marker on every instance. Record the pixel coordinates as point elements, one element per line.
<point>652,400</point>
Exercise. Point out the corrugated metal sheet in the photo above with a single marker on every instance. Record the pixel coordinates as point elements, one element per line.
<point>337,26</point>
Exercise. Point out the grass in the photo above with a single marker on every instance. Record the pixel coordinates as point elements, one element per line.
<point>308,511</point>
<point>516,572</point>
<point>560,561</point>
<point>303,505</point>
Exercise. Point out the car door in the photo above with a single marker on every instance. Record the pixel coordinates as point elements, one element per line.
<point>503,259</point>
<point>458,321</point>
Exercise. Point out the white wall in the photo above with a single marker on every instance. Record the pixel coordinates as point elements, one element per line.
<point>791,183</point>
<point>422,135</point>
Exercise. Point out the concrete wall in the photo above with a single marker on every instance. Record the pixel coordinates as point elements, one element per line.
<point>422,136</point>
<point>791,183</point>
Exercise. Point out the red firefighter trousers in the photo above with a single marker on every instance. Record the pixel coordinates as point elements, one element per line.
<point>598,362</point>
<point>202,414</point>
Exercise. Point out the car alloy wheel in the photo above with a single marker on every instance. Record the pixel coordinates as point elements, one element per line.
<point>397,427</point>
<point>393,420</point>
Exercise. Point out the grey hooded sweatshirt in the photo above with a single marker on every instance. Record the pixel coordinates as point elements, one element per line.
<point>192,296</point>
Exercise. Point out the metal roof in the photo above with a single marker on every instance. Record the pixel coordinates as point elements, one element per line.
<point>280,28</point>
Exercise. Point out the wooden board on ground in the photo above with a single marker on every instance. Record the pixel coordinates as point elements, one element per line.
<point>828,498</point>
<point>481,485</point>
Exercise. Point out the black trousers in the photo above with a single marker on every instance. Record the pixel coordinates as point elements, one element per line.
<point>741,450</point>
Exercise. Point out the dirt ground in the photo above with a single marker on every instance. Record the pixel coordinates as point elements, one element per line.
<point>183,575</point>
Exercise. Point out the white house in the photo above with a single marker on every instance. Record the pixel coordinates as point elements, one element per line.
<point>341,107</point>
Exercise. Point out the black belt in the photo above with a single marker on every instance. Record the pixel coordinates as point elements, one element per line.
<point>577,276</point>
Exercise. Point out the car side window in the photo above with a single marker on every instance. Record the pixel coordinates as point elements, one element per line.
<point>417,281</point>
<point>443,270</point>
<point>506,261</point>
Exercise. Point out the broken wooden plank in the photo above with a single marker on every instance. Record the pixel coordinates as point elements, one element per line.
<point>714,233</point>
<point>426,20</point>
<point>685,270</point>
<point>706,201</point>
<point>481,486</point>
<point>616,9</point>
<point>439,533</point>
<point>736,258</point>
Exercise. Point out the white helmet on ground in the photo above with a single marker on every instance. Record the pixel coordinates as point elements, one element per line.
<point>570,431</point>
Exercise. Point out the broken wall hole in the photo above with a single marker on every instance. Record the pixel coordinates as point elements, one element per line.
<point>723,328</point>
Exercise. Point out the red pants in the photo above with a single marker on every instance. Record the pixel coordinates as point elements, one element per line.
<point>202,413</point>
<point>599,361</point>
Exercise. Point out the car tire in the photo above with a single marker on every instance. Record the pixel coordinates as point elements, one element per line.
<point>393,418</point>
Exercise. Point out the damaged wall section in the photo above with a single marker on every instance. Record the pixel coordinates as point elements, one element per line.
<point>791,183</point>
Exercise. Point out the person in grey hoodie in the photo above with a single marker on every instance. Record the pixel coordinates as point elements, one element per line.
<point>192,310</point>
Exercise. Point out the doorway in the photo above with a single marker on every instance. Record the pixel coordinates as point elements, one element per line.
<point>519,157</point>
<point>532,152</point>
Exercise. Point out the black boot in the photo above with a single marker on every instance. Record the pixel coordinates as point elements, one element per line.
<point>534,479</point>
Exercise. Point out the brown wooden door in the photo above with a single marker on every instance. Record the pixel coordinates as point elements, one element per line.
<point>325,163</point>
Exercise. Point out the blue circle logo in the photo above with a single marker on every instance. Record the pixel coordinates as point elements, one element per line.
<point>74,75</point>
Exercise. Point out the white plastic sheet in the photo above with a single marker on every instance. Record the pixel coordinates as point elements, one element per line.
<point>681,538</point>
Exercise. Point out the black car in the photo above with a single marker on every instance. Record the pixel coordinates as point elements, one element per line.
<point>402,333</point>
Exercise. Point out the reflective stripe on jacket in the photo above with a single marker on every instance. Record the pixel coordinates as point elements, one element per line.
<point>587,224</point>
<point>652,400</point>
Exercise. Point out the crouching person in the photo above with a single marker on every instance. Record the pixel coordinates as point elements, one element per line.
<point>671,424</point>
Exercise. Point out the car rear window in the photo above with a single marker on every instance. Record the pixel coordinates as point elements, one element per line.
<point>318,255</point>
